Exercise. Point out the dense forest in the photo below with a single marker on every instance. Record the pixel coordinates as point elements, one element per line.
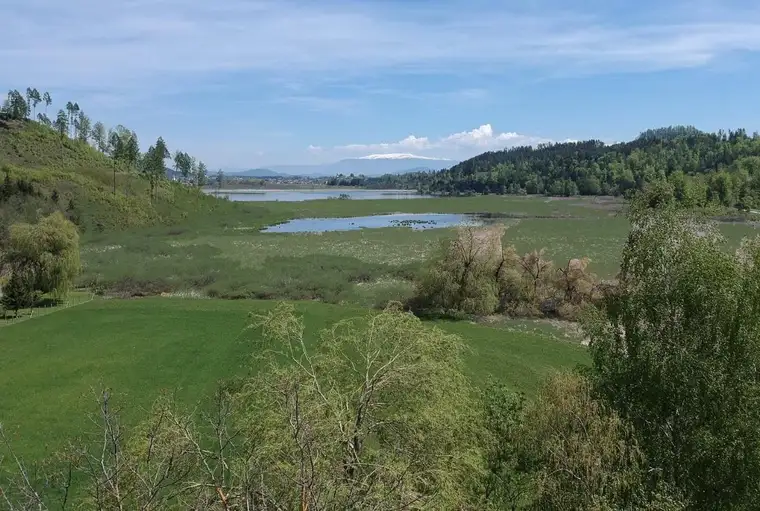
<point>722,168</point>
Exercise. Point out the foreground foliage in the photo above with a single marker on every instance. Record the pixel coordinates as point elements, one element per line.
<point>379,415</point>
<point>676,351</point>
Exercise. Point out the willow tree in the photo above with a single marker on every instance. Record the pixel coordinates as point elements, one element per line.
<point>461,277</point>
<point>378,416</point>
<point>47,251</point>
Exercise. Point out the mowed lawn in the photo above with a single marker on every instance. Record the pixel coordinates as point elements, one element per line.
<point>52,366</point>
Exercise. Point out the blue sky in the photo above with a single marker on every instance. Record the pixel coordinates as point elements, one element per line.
<point>242,83</point>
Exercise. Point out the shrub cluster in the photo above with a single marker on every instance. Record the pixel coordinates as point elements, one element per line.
<point>475,273</point>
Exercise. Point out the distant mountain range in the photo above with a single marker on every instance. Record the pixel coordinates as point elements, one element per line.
<point>372,165</point>
<point>254,173</point>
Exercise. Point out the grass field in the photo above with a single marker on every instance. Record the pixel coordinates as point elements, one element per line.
<point>226,255</point>
<point>51,364</point>
<point>47,307</point>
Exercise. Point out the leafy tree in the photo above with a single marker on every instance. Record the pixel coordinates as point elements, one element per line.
<point>33,99</point>
<point>44,119</point>
<point>100,137</point>
<point>47,100</point>
<point>123,145</point>
<point>61,123</point>
<point>132,149</point>
<point>201,174</point>
<point>590,185</point>
<point>675,351</point>
<point>395,427</point>
<point>187,167</point>
<point>582,455</point>
<point>83,127</point>
<point>28,101</point>
<point>48,252</point>
<point>115,145</point>
<point>153,164</point>
<point>219,179</point>
<point>70,112</point>
<point>462,276</point>
<point>18,292</point>
<point>538,271</point>
<point>505,484</point>
<point>15,106</point>
<point>74,119</point>
<point>177,159</point>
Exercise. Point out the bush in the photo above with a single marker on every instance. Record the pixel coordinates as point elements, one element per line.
<point>462,276</point>
<point>579,454</point>
<point>476,274</point>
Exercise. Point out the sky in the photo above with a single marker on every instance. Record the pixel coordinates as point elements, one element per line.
<point>248,83</point>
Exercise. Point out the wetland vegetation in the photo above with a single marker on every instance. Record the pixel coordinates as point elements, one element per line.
<point>346,367</point>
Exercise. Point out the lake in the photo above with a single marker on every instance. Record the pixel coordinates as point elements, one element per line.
<point>416,221</point>
<point>314,194</point>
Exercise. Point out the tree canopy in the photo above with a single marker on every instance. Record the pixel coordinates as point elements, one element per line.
<point>704,167</point>
<point>47,252</point>
<point>676,350</point>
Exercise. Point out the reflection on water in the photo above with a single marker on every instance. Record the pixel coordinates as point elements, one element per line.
<point>303,195</point>
<point>415,221</point>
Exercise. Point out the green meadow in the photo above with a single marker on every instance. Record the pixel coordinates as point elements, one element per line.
<point>54,365</point>
<point>226,255</point>
<point>55,360</point>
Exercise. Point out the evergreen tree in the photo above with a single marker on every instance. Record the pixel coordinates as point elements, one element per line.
<point>18,292</point>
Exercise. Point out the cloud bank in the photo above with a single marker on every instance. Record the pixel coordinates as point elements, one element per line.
<point>457,146</point>
<point>156,44</point>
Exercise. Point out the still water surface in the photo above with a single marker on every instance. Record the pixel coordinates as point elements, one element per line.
<point>416,221</point>
<point>315,194</point>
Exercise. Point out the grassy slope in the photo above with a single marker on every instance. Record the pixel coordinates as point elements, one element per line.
<point>138,347</point>
<point>79,173</point>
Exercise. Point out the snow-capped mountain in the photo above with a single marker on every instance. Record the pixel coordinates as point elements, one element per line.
<point>399,156</point>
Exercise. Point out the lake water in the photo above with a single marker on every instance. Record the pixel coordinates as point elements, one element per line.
<point>317,194</point>
<point>417,221</point>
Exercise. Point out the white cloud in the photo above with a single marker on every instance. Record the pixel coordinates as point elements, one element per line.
<point>409,143</point>
<point>165,43</point>
<point>457,145</point>
<point>484,137</point>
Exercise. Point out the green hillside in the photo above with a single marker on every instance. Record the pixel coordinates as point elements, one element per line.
<point>41,172</point>
<point>721,168</point>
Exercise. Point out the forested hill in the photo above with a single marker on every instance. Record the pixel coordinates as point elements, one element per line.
<point>720,167</point>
